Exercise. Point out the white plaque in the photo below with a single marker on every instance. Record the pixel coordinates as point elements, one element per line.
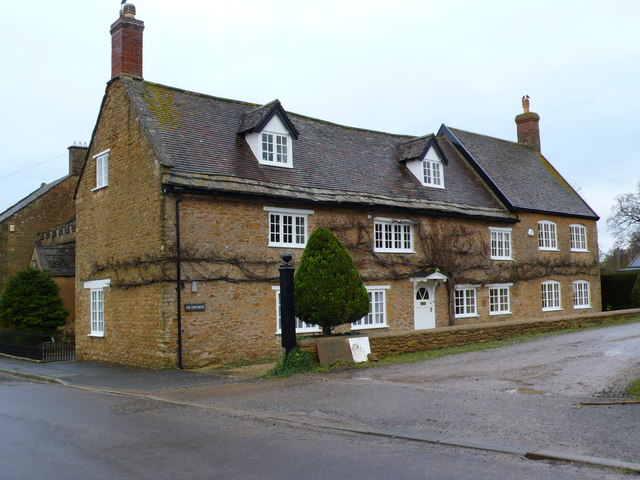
<point>360,349</point>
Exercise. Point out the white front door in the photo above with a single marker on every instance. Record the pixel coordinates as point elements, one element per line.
<point>424,306</point>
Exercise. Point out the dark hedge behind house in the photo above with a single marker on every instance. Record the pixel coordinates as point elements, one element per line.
<point>616,290</point>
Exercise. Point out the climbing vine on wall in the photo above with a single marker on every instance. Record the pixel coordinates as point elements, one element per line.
<point>459,251</point>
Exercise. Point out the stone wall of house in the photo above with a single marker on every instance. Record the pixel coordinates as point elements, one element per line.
<point>229,267</point>
<point>119,237</point>
<point>51,209</point>
<point>67,294</point>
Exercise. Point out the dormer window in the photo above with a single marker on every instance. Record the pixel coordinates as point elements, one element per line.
<point>432,173</point>
<point>270,134</point>
<point>424,160</point>
<point>275,149</point>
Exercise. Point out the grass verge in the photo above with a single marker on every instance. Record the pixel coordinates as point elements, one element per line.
<point>633,389</point>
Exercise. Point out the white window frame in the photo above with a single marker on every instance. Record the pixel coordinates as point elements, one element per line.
<point>499,296</point>
<point>500,243</point>
<point>301,327</point>
<point>578,234</point>
<point>96,306</point>
<point>288,227</point>
<point>279,154</point>
<point>102,169</point>
<point>547,235</point>
<point>432,173</point>
<point>377,316</point>
<point>465,300</point>
<point>392,236</point>
<point>581,294</point>
<point>551,296</point>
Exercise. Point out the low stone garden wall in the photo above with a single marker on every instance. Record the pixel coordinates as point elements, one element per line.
<point>407,341</point>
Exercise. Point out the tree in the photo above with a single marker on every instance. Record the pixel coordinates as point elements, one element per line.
<point>30,302</point>
<point>625,221</point>
<point>328,290</point>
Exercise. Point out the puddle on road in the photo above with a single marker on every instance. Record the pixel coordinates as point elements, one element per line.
<point>526,391</point>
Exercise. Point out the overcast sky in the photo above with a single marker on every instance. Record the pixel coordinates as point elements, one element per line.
<point>401,66</point>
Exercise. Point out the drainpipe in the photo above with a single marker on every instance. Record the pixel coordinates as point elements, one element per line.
<point>178,282</point>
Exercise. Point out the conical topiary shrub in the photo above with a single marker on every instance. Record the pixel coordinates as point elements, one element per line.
<point>328,290</point>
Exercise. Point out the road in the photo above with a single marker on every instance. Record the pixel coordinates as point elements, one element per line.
<point>526,393</point>
<point>523,393</point>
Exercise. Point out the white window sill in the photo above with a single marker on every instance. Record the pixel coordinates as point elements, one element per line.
<point>430,185</point>
<point>578,250</point>
<point>96,335</point>
<point>469,315</point>
<point>552,309</point>
<point>369,327</point>
<point>99,188</point>
<point>286,245</point>
<point>581,307</point>
<point>275,164</point>
<point>302,331</point>
<point>546,249</point>
<point>502,258</point>
<point>500,313</point>
<point>386,250</point>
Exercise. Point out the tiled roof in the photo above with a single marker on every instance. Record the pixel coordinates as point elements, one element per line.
<point>30,198</point>
<point>523,175</point>
<point>59,259</point>
<point>255,120</point>
<point>412,149</point>
<point>197,134</point>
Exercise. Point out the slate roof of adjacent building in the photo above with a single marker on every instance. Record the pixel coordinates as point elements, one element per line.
<point>59,259</point>
<point>198,135</point>
<point>633,265</point>
<point>30,198</point>
<point>524,176</point>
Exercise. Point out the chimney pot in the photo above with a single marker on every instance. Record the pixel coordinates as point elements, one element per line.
<point>126,43</point>
<point>527,125</point>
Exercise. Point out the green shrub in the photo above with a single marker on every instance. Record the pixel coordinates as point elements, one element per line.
<point>30,303</point>
<point>328,290</point>
<point>295,362</point>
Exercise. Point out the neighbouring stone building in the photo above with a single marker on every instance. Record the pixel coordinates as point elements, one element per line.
<point>187,201</point>
<point>55,252</point>
<point>48,207</point>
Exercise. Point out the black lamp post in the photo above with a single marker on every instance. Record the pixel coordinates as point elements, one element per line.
<point>287,315</point>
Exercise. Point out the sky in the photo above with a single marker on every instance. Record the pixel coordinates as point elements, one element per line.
<point>401,66</point>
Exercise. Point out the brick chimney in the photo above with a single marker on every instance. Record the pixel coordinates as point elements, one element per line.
<point>77,155</point>
<point>126,43</point>
<point>527,126</point>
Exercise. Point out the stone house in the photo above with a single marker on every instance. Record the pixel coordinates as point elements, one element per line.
<point>187,201</point>
<point>46,208</point>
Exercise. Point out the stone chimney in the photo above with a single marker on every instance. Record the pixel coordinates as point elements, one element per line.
<point>527,126</point>
<point>126,43</point>
<point>77,155</point>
